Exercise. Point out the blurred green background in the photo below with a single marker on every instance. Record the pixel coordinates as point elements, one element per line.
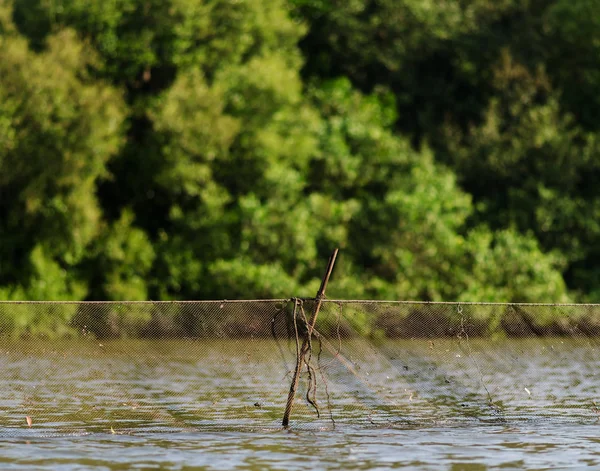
<point>197,149</point>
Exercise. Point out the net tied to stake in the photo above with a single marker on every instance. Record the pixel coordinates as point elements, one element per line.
<point>139,367</point>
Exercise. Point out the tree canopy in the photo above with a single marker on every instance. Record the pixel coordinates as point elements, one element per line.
<point>194,149</point>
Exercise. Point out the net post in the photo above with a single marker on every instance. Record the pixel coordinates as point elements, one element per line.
<point>305,344</point>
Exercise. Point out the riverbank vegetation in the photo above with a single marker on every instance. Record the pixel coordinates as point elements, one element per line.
<point>212,149</point>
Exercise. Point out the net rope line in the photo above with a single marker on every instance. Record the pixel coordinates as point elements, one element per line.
<point>325,300</point>
<point>351,374</point>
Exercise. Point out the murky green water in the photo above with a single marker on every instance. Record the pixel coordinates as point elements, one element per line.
<point>452,404</point>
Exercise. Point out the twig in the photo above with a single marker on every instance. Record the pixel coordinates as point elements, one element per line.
<point>306,344</point>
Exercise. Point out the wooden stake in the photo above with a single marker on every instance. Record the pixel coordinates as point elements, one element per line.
<point>306,342</point>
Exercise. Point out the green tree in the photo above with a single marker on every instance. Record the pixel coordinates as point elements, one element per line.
<point>407,232</point>
<point>504,93</point>
<point>530,165</point>
<point>58,128</point>
<point>209,169</point>
<point>571,56</point>
<point>215,137</point>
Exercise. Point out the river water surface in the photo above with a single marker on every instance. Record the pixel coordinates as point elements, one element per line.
<point>217,404</point>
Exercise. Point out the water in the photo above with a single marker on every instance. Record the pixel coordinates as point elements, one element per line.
<point>456,405</point>
<point>435,448</point>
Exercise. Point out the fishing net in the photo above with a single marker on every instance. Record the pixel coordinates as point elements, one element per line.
<point>142,367</point>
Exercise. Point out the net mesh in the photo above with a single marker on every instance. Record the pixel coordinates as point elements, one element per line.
<point>141,367</point>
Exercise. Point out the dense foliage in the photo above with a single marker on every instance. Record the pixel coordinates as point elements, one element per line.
<point>180,149</point>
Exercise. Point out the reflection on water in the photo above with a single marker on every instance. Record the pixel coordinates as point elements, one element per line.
<point>444,404</point>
